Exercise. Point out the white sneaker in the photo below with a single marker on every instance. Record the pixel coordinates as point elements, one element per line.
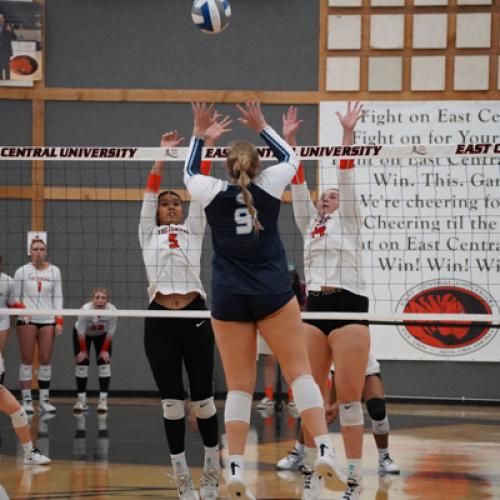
<point>47,407</point>
<point>80,406</point>
<point>102,406</point>
<point>185,488</point>
<point>387,465</point>
<point>265,403</point>
<point>236,485</point>
<point>288,475</point>
<point>293,461</point>
<point>209,489</point>
<point>27,405</point>
<point>35,457</point>
<point>313,486</point>
<point>327,467</point>
<point>353,491</point>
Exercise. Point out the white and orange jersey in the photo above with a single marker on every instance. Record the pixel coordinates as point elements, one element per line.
<point>332,244</point>
<point>6,298</point>
<point>172,252</point>
<point>39,289</point>
<point>93,326</point>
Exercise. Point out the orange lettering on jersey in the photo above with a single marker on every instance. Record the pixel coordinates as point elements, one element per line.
<point>319,230</point>
<point>172,238</point>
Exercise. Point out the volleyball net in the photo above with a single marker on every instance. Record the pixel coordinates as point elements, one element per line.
<point>429,228</point>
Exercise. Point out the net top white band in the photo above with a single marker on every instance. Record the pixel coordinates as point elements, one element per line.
<point>319,152</point>
<point>139,313</point>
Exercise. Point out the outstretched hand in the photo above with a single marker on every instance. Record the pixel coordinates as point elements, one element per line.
<point>354,113</point>
<point>218,128</point>
<point>291,125</point>
<point>171,139</point>
<point>204,118</point>
<point>252,116</point>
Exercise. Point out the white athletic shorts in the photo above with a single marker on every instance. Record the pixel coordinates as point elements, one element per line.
<point>4,323</point>
<point>372,368</point>
<point>262,347</point>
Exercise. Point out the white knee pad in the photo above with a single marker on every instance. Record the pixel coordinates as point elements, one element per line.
<point>238,406</point>
<point>306,393</point>
<point>44,372</point>
<point>381,426</point>
<point>173,409</point>
<point>104,371</point>
<point>2,365</point>
<point>19,418</point>
<point>204,408</point>
<point>351,414</point>
<point>82,371</point>
<point>25,373</point>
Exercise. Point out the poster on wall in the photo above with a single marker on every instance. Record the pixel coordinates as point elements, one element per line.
<point>430,226</point>
<point>20,43</point>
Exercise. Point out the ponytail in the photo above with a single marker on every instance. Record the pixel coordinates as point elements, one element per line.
<point>243,163</point>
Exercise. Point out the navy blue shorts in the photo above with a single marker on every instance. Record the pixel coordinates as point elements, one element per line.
<point>338,300</point>
<point>233,307</point>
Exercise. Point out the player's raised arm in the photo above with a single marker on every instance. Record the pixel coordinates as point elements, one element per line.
<point>349,209</point>
<point>303,207</point>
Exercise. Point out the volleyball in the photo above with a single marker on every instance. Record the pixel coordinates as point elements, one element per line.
<point>211,16</point>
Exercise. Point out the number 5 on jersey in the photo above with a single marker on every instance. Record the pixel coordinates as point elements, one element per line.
<point>243,219</point>
<point>172,239</point>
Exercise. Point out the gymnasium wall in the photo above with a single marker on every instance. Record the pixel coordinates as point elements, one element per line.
<point>122,72</point>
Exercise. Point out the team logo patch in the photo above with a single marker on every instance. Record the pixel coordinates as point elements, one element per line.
<point>447,297</point>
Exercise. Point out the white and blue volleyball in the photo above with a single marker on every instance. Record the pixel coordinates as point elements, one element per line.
<point>211,16</point>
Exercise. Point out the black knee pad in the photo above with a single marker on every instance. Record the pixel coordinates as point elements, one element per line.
<point>376,408</point>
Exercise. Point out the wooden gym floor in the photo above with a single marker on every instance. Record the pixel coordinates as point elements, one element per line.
<point>445,452</point>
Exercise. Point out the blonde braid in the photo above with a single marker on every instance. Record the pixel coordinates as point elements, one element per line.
<point>240,168</point>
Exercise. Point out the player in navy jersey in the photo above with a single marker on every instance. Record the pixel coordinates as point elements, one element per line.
<point>171,246</point>
<point>250,285</point>
<point>97,330</point>
<point>334,278</point>
<point>37,285</point>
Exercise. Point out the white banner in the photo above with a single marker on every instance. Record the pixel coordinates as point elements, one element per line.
<point>431,229</point>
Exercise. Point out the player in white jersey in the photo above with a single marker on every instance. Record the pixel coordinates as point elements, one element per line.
<point>37,285</point>
<point>374,398</point>
<point>333,272</point>
<point>6,300</point>
<point>97,330</point>
<point>250,286</point>
<point>11,407</point>
<point>171,247</point>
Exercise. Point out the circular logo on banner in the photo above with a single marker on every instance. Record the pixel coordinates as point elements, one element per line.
<point>447,338</point>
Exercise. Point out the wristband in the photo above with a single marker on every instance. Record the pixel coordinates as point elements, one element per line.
<point>299,178</point>
<point>59,321</point>
<point>18,305</point>
<point>206,165</point>
<point>154,181</point>
<point>346,164</point>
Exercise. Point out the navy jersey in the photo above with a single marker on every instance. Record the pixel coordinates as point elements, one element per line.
<point>245,262</point>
